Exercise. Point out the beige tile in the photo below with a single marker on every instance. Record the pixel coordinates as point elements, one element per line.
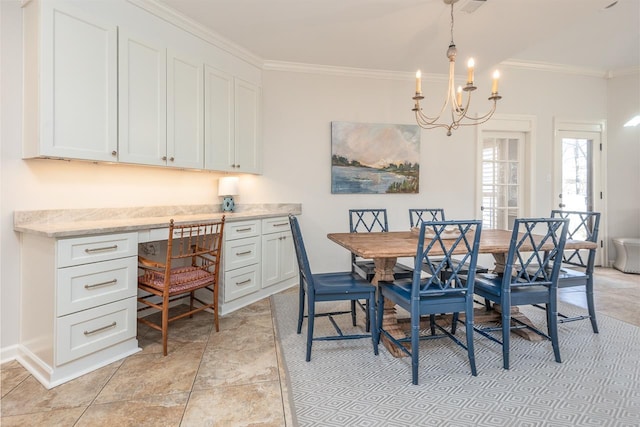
<point>248,332</point>
<point>258,404</point>
<point>54,418</point>
<point>144,375</point>
<point>221,366</point>
<point>12,375</point>
<point>157,411</point>
<point>30,396</point>
<point>186,330</point>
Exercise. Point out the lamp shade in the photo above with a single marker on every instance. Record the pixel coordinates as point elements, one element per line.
<point>228,186</point>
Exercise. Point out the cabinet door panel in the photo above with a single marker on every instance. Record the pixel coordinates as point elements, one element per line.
<point>142,101</point>
<point>79,85</point>
<point>248,147</point>
<point>288,263</point>
<point>271,259</point>
<point>218,120</point>
<point>185,115</point>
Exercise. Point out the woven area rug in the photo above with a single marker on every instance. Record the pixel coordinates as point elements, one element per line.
<point>598,383</point>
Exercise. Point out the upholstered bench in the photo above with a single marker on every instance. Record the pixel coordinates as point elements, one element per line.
<point>627,254</point>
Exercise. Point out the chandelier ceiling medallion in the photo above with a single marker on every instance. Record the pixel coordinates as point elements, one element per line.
<point>459,111</point>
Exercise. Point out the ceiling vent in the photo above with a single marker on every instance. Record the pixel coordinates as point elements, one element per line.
<point>471,6</point>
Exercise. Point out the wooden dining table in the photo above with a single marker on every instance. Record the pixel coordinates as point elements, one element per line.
<point>384,248</point>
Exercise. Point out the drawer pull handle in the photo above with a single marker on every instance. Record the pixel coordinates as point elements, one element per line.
<point>243,253</point>
<point>97,285</point>
<point>105,248</point>
<point>244,229</point>
<point>244,282</point>
<point>282,224</point>
<point>104,328</point>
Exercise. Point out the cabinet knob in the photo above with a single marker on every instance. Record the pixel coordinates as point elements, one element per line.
<point>114,153</point>
<point>171,159</point>
<point>164,158</point>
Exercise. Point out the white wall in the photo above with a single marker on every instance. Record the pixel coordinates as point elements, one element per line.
<point>298,110</point>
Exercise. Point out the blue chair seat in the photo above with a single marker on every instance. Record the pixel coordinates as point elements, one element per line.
<point>570,277</point>
<point>492,287</point>
<point>445,302</point>
<point>341,282</point>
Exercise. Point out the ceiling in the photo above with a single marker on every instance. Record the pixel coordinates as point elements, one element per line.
<point>405,35</point>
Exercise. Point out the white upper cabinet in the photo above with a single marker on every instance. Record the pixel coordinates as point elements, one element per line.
<point>160,105</point>
<point>110,81</point>
<point>218,120</point>
<point>70,83</point>
<point>248,144</point>
<point>142,101</point>
<point>232,123</point>
<point>185,115</point>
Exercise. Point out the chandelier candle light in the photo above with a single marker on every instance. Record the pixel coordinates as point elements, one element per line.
<point>459,112</point>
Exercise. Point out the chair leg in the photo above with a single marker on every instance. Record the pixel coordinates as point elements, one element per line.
<point>379,315</point>
<point>191,298</point>
<point>432,323</point>
<point>165,323</point>
<point>552,321</point>
<point>353,312</point>
<point>415,345</point>
<point>215,307</point>
<point>454,322</point>
<point>301,296</point>
<point>591,305</point>
<point>371,316</point>
<point>310,321</point>
<point>506,334</point>
<point>468,321</point>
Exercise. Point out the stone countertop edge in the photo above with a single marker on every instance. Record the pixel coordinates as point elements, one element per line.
<point>80,222</point>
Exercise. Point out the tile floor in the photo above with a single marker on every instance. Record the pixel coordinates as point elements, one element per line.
<point>231,378</point>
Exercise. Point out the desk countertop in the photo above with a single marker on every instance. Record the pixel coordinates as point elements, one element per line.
<point>79,222</point>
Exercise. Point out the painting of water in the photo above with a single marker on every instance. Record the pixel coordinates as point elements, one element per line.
<point>374,158</point>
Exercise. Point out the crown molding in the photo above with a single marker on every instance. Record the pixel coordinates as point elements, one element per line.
<point>554,68</point>
<point>297,67</point>
<point>629,71</point>
<point>170,15</point>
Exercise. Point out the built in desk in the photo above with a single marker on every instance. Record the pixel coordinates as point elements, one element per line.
<point>79,276</point>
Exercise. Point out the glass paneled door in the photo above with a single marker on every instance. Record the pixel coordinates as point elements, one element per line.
<point>577,172</point>
<point>502,169</point>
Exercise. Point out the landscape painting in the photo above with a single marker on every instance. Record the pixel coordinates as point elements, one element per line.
<point>374,158</point>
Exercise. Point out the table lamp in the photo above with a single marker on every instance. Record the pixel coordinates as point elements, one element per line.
<point>227,188</point>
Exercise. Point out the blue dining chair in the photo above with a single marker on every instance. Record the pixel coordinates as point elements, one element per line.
<point>416,216</point>
<point>530,277</point>
<point>368,221</point>
<point>434,294</point>
<point>339,286</point>
<point>582,226</point>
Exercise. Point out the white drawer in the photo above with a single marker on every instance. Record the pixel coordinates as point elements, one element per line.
<point>89,285</point>
<point>88,331</point>
<point>241,282</point>
<point>242,229</point>
<point>241,253</point>
<point>83,250</point>
<point>275,225</point>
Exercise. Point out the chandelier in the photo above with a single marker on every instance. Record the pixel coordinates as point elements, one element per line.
<point>459,111</point>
